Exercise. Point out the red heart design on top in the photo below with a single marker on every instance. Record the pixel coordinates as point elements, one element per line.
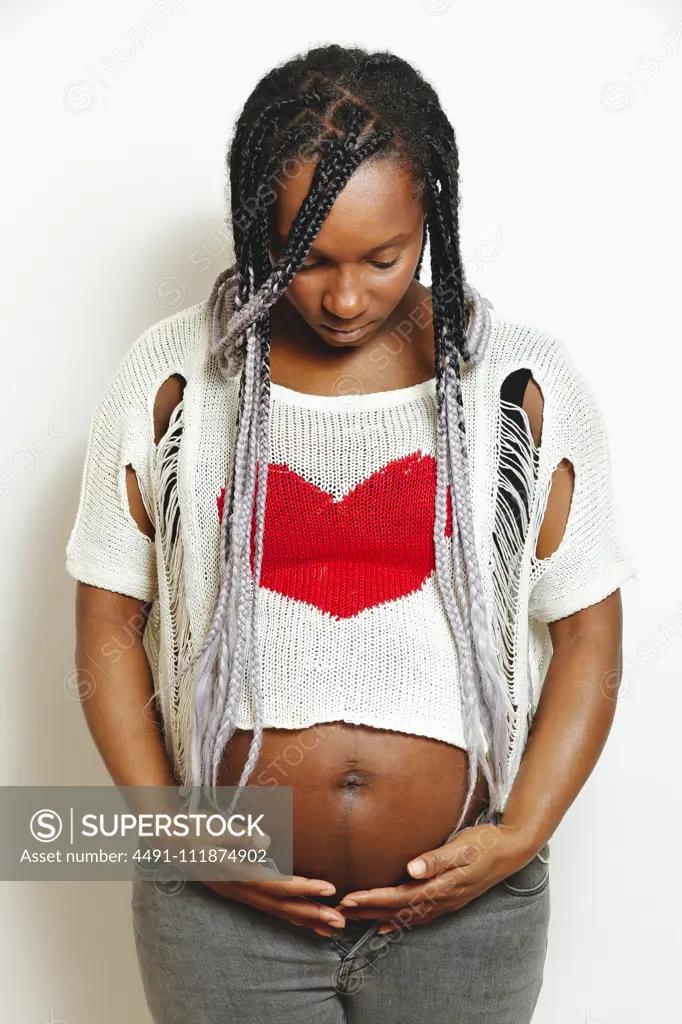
<point>373,545</point>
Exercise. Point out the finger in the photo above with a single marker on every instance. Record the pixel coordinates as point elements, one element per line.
<point>376,897</point>
<point>413,909</point>
<point>370,913</point>
<point>395,897</point>
<point>322,929</point>
<point>308,912</point>
<point>458,853</point>
<point>421,914</point>
<point>298,885</point>
<point>388,897</point>
<point>395,925</point>
<point>405,918</point>
<point>431,863</point>
<point>296,910</point>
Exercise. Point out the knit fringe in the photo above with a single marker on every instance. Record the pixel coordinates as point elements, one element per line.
<point>176,704</point>
<point>519,456</point>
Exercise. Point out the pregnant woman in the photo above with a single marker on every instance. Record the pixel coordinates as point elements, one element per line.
<point>351,534</point>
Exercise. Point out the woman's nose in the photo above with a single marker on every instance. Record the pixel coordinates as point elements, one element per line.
<point>346,300</point>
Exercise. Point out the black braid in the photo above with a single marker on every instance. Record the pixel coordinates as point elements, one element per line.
<point>341,106</point>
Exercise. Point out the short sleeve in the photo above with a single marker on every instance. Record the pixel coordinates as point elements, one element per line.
<point>106,548</point>
<point>591,561</point>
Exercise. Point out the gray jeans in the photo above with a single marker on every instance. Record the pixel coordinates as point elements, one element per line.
<point>206,959</point>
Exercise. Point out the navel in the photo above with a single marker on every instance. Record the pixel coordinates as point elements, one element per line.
<point>354,779</point>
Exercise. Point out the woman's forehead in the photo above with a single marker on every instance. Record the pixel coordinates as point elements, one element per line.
<point>376,205</point>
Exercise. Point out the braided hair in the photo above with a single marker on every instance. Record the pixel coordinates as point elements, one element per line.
<point>340,106</point>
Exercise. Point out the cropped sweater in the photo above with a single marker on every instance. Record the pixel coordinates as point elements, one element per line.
<point>351,622</point>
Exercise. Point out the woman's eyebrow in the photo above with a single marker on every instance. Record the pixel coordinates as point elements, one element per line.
<point>383,245</point>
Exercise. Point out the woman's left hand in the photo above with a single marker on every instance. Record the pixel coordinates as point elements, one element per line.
<point>475,860</point>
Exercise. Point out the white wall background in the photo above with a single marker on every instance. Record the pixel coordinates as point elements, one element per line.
<point>113,137</point>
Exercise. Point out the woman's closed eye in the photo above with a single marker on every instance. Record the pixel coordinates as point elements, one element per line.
<point>374,263</point>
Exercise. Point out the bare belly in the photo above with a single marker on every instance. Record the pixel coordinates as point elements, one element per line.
<point>366,801</point>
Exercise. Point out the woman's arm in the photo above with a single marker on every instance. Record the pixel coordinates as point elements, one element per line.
<point>572,721</point>
<point>117,686</point>
<point>110,655</point>
<point>126,728</point>
<point>578,699</point>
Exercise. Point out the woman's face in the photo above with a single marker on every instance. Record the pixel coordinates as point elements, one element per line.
<point>365,254</point>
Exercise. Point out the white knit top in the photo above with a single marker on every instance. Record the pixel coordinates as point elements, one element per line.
<point>351,623</point>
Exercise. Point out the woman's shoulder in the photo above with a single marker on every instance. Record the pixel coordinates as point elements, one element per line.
<point>170,345</point>
<point>516,344</point>
<point>174,341</point>
<point>513,340</point>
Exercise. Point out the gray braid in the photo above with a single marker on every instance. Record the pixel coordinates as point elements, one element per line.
<point>239,304</point>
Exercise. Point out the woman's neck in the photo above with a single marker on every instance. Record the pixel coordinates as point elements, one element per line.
<point>401,354</point>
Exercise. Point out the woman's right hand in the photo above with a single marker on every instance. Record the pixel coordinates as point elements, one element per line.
<point>293,900</point>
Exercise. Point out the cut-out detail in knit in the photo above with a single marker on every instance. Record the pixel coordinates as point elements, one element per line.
<point>139,507</point>
<point>167,398</point>
<point>559,497</point>
<point>140,504</point>
<point>556,493</point>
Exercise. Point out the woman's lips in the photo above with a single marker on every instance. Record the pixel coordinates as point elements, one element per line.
<point>347,335</point>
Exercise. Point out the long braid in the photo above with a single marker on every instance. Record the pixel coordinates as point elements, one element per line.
<point>495,705</point>
<point>238,581</point>
<point>341,106</point>
<point>343,161</point>
<point>472,713</point>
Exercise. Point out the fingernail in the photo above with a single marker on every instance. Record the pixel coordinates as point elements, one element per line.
<point>325,932</point>
<point>385,928</point>
<point>336,919</point>
<point>417,867</point>
<point>327,891</point>
<point>348,903</point>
